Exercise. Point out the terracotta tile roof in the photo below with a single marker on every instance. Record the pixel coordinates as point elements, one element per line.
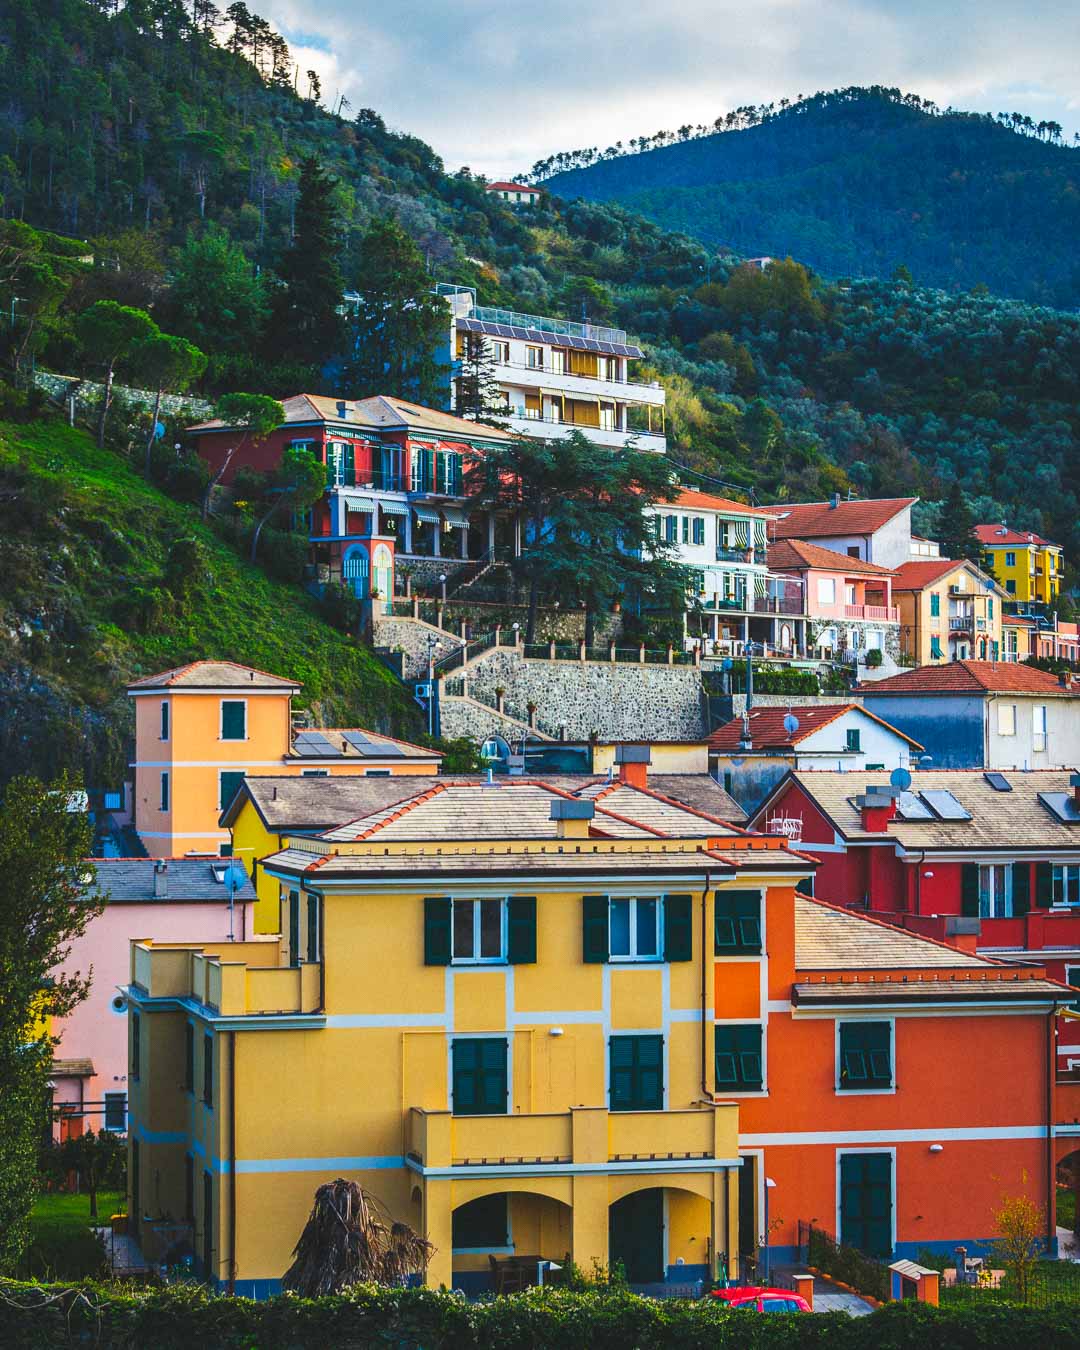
<point>1005,821</point>
<point>958,989</point>
<point>213,675</point>
<point>812,520</point>
<point>381,412</point>
<point>920,572</point>
<point>72,1068</point>
<point>510,187</point>
<point>1001,536</point>
<point>705,501</point>
<point>1004,677</point>
<point>830,938</point>
<point>767,726</point>
<point>796,554</point>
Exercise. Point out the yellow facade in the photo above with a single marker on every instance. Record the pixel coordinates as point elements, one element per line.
<point>338,1050</point>
<point>666,756</point>
<point>1028,572</point>
<point>1016,637</point>
<point>953,617</point>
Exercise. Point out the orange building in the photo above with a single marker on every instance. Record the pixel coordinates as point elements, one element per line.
<point>200,729</point>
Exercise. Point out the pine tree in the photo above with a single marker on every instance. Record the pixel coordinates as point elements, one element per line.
<point>399,326</point>
<point>477,394</point>
<point>956,527</point>
<point>307,324</point>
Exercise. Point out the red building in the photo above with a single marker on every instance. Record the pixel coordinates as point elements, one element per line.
<point>988,861</point>
<point>394,486</point>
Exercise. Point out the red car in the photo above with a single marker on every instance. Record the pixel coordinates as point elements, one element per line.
<point>755,1298</point>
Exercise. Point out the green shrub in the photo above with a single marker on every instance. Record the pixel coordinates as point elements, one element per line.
<point>874,657</point>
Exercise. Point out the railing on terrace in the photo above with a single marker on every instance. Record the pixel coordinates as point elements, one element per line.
<point>456,659</point>
<point>843,1262</point>
<point>734,555</point>
<point>886,613</point>
<point>551,373</point>
<point>562,651</point>
<point>583,427</point>
<point>545,324</point>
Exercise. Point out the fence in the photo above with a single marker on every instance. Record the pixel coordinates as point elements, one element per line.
<point>842,1262</point>
<point>1043,1285</point>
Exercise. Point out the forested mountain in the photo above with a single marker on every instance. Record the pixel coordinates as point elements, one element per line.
<point>858,182</point>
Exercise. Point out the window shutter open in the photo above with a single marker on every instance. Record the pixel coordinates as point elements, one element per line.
<point>437,930</point>
<point>969,890</point>
<point>1021,888</point>
<point>1044,885</point>
<point>678,928</point>
<point>594,929</point>
<point>521,930</point>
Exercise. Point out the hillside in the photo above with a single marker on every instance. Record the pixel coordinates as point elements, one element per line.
<point>859,183</point>
<point>103,578</point>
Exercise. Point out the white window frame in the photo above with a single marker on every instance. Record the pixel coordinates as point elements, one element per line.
<point>992,910</point>
<point>1060,878</point>
<point>534,357</point>
<point>221,721</point>
<point>632,956</point>
<point>114,1129</point>
<point>1006,726</point>
<point>890,1091</point>
<point>504,930</point>
<point>1038,732</point>
<point>826,590</point>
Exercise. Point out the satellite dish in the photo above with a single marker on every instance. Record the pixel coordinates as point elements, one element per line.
<point>791,724</point>
<point>900,778</point>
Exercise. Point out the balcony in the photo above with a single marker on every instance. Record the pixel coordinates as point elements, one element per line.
<point>548,428</point>
<point>878,613</point>
<point>535,1143</point>
<point>734,555</point>
<point>235,979</point>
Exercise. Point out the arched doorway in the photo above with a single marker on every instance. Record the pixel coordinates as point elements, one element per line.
<point>636,1236</point>
<point>503,1241</point>
<point>382,571</point>
<point>354,571</point>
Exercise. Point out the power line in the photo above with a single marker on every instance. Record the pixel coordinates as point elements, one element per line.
<point>719,482</point>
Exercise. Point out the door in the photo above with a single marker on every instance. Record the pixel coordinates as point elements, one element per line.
<point>636,1235</point>
<point>748,1235</point>
<point>354,572</point>
<point>866,1202</point>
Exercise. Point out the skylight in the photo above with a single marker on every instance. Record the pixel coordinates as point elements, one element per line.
<point>944,805</point>
<point>998,782</point>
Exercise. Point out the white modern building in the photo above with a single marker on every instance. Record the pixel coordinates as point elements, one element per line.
<point>557,376</point>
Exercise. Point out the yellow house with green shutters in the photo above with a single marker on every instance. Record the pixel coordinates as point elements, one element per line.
<point>1028,567</point>
<point>492,1006</point>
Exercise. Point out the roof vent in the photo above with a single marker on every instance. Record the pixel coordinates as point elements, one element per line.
<point>342,409</point>
<point>633,762</point>
<point>161,880</point>
<point>572,817</point>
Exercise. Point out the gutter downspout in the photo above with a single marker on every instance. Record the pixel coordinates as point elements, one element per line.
<point>1051,1074</point>
<point>232,1163</point>
<point>708,1096</point>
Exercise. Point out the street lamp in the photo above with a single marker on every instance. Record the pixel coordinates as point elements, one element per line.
<point>442,586</point>
<point>769,1186</point>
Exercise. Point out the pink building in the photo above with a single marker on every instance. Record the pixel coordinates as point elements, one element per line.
<point>168,900</point>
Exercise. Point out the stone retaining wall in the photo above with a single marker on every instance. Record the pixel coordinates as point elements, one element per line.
<point>464,716</point>
<point>413,637</point>
<point>88,395</point>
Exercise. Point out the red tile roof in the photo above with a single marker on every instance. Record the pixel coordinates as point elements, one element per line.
<point>811,520</point>
<point>797,554</point>
<point>913,576</point>
<point>705,501</point>
<point>767,726</point>
<point>971,676</point>
<point>1001,534</point>
<point>511,187</point>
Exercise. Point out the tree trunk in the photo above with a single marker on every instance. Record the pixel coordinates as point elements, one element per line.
<point>534,604</point>
<point>590,625</point>
<point>259,529</point>
<point>106,400</point>
<point>153,430</point>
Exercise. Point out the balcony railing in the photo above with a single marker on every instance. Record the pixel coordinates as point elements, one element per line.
<point>734,555</point>
<point>234,979</point>
<point>884,613</point>
<point>576,374</point>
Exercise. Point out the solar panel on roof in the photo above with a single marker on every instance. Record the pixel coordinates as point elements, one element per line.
<point>998,782</point>
<point>944,805</point>
<point>909,807</point>
<point>356,738</point>
<point>314,743</point>
<point>386,750</point>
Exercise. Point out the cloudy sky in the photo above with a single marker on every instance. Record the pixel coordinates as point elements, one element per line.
<point>497,84</point>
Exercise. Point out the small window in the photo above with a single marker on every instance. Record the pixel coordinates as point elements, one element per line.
<point>189,1057</point>
<point>314,773</point>
<point>233,720</point>
<point>738,1058</point>
<point>230,782</point>
<point>189,1187</point>
<point>312,929</point>
<point>853,550</point>
<point>699,530</point>
<point>164,792</point>
<point>633,930</point>
<point>995,891</point>
<point>1038,726</point>
<point>1006,719</point>
<point>116,1111</point>
<point>738,923</point>
<point>534,358</point>
<point>1010,586</point>
<point>935,647</point>
<point>1010,559</point>
<point>826,590</point>
<point>935,605</point>
<point>636,1073</point>
<point>989,606</point>
<point>865,1056</point>
<point>1072,976</point>
<point>854,739</point>
<point>479,930</point>
<point>482,1225</point>
<point>164,733</point>
<point>136,1048</point>
<point>1066,885</point>
<point>208,1070</point>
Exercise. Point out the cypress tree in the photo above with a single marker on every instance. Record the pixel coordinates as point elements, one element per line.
<point>956,527</point>
<point>307,324</point>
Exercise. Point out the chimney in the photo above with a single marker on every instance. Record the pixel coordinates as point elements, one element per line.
<point>835,501</point>
<point>572,817</point>
<point>633,762</point>
<point>877,806</point>
<point>1074,783</point>
<point>342,410</point>
<point>161,880</point>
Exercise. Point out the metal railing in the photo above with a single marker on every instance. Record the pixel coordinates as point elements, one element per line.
<point>743,555</point>
<point>575,374</point>
<point>843,1262</point>
<point>544,324</point>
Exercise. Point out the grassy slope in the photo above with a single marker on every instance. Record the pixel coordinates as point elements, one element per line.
<point>79,530</point>
<point>61,1243</point>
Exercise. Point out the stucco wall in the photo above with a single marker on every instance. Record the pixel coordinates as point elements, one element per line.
<point>949,726</point>
<point>1061,747</point>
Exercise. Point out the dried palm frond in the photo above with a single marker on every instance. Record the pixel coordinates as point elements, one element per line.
<point>350,1239</point>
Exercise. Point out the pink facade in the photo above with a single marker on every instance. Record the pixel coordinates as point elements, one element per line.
<point>839,595</point>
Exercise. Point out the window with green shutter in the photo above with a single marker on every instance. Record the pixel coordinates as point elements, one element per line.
<point>233,719</point>
<point>865,1055</point>
<point>1044,884</point>
<point>1021,888</point>
<point>935,604</point>
<point>208,1070</point>
<point>737,922</point>
<point>678,928</point>
<point>935,647</point>
<point>312,928</point>
<point>854,739</point>
<point>521,930</point>
<point>479,1076</point>
<point>594,929</point>
<point>738,1058</point>
<point>189,1057</point>
<point>636,1073</point>
<point>294,928</point>
<point>437,925</point>
<point>229,784</point>
<point>969,890</point>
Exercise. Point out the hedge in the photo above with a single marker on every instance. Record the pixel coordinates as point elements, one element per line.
<point>33,1317</point>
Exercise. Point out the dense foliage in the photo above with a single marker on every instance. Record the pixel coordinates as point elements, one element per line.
<point>859,181</point>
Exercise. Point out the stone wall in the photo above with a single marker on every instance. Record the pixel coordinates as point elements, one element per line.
<point>614,701</point>
<point>413,636</point>
<point>463,716</point>
<point>793,701</point>
<point>552,625</point>
<point>88,396</point>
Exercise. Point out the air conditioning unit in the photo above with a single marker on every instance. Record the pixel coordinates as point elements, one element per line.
<point>423,690</point>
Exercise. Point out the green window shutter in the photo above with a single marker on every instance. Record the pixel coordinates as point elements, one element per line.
<point>865,1055</point>
<point>969,890</point>
<point>294,928</point>
<point>738,1057</point>
<point>678,928</point>
<point>208,1070</point>
<point>935,604</point>
<point>1021,888</point>
<point>1044,884</point>
<point>189,1057</point>
<point>737,922</point>
<point>233,720</point>
<point>436,930</point>
<point>312,928</point>
<point>594,929</point>
<point>521,930</point>
<point>479,1076</point>
<point>636,1073</point>
<point>231,782</point>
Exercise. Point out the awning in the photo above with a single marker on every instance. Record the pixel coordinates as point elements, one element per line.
<point>454,515</point>
<point>353,503</point>
<point>427,514</point>
<point>393,508</point>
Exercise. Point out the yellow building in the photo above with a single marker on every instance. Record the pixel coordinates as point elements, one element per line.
<point>949,611</point>
<point>1028,568</point>
<point>201,728</point>
<point>492,1006</point>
